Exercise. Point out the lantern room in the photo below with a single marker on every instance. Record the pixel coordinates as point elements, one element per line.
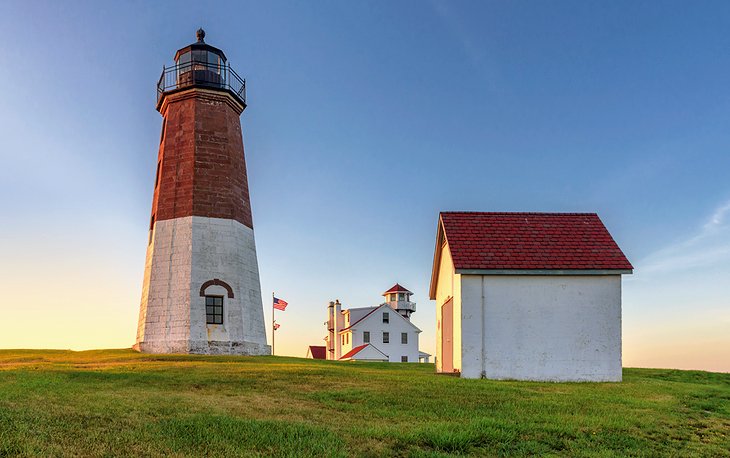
<point>200,62</point>
<point>201,65</point>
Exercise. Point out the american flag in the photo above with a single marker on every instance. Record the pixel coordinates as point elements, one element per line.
<point>280,304</point>
<point>276,326</point>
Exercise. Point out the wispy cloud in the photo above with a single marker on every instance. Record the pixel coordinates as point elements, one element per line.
<point>710,245</point>
<point>719,218</point>
<point>477,53</point>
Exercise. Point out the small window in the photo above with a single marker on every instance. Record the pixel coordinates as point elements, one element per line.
<point>214,309</point>
<point>404,359</point>
<point>401,296</point>
<point>404,337</point>
<point>200,56</point>
<point>347,338</point>
<point>386,317</point>
<point>162,134</point>
<point>157,174</point>
<point>392,298</point>
<point>184,58</point>
<point>386,337</point>
<point>214,60</point>
<point>366,337</point>
<point>343,339</point>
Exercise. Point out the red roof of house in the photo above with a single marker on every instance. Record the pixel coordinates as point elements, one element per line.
<point>353,352</point>
<point>318,352</point>
<point>531,241</point>
<point>396,289</point>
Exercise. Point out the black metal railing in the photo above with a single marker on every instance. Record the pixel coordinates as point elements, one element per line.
<point>220,76</point>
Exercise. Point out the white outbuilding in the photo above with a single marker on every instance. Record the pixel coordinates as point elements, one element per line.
<point>527,296</point>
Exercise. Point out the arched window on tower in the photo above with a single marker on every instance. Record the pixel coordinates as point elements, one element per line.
<point>214,309</point>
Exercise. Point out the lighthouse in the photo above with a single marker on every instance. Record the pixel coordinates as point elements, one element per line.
<point>201,291</point>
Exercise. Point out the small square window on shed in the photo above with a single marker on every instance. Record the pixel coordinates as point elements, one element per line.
<point>386,317</point>
<point>404,359</point>
<point>214,309</point>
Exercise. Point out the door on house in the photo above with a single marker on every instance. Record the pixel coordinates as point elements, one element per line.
<point>447,336</point>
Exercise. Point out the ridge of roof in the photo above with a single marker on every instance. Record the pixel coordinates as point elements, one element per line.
<point>516,213</point>
<point>365,316</point>
<point>359,308</point>
<point>360,348</point>
<point>376,309</point>
<point>354,351</point>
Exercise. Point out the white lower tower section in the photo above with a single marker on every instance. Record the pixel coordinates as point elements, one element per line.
<point>183,256</point>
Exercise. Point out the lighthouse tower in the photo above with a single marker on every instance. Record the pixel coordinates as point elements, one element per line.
<point>201,290</point>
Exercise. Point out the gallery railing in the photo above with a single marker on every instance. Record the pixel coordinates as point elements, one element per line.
<point>203,74</point>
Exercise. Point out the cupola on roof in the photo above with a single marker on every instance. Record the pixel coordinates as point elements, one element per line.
<point>397,288</point>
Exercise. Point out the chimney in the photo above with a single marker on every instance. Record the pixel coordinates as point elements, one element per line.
<point>338,326</point>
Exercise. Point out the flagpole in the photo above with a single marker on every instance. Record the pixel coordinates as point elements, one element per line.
<point>273,325</point>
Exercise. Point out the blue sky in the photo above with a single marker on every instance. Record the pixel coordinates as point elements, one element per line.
<point>365,119</point>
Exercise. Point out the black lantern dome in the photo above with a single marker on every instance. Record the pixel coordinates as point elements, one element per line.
<point>200,51</point>
<point>201,65</point>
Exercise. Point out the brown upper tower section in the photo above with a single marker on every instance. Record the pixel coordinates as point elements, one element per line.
<point>201,170</point>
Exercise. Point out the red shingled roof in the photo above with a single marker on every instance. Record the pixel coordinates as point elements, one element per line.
<point>531,241</point>
<point>318,352</point>
<point>353,352</point>
<point>397,288</point>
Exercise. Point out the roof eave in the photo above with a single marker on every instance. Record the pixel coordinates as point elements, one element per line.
<point>362,320</point>
<point>436,259</point>
<point>544,271</point>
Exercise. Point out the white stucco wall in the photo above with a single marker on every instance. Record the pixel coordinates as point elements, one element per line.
<point>164,318</point>
<point>548,327</point>
<point>396,325</point>
<point>184,254</point>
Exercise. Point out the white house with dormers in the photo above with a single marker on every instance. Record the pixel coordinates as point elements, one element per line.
<point>380,333</point>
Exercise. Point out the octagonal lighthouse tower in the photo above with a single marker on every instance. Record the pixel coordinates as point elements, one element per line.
<point>201,290</point>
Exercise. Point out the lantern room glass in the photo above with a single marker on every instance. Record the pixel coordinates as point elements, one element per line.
<point>200,66</point>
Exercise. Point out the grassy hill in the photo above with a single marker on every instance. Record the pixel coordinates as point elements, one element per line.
<point>118,402</point>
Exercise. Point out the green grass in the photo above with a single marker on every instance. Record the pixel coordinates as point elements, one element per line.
<point>121,403</point>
